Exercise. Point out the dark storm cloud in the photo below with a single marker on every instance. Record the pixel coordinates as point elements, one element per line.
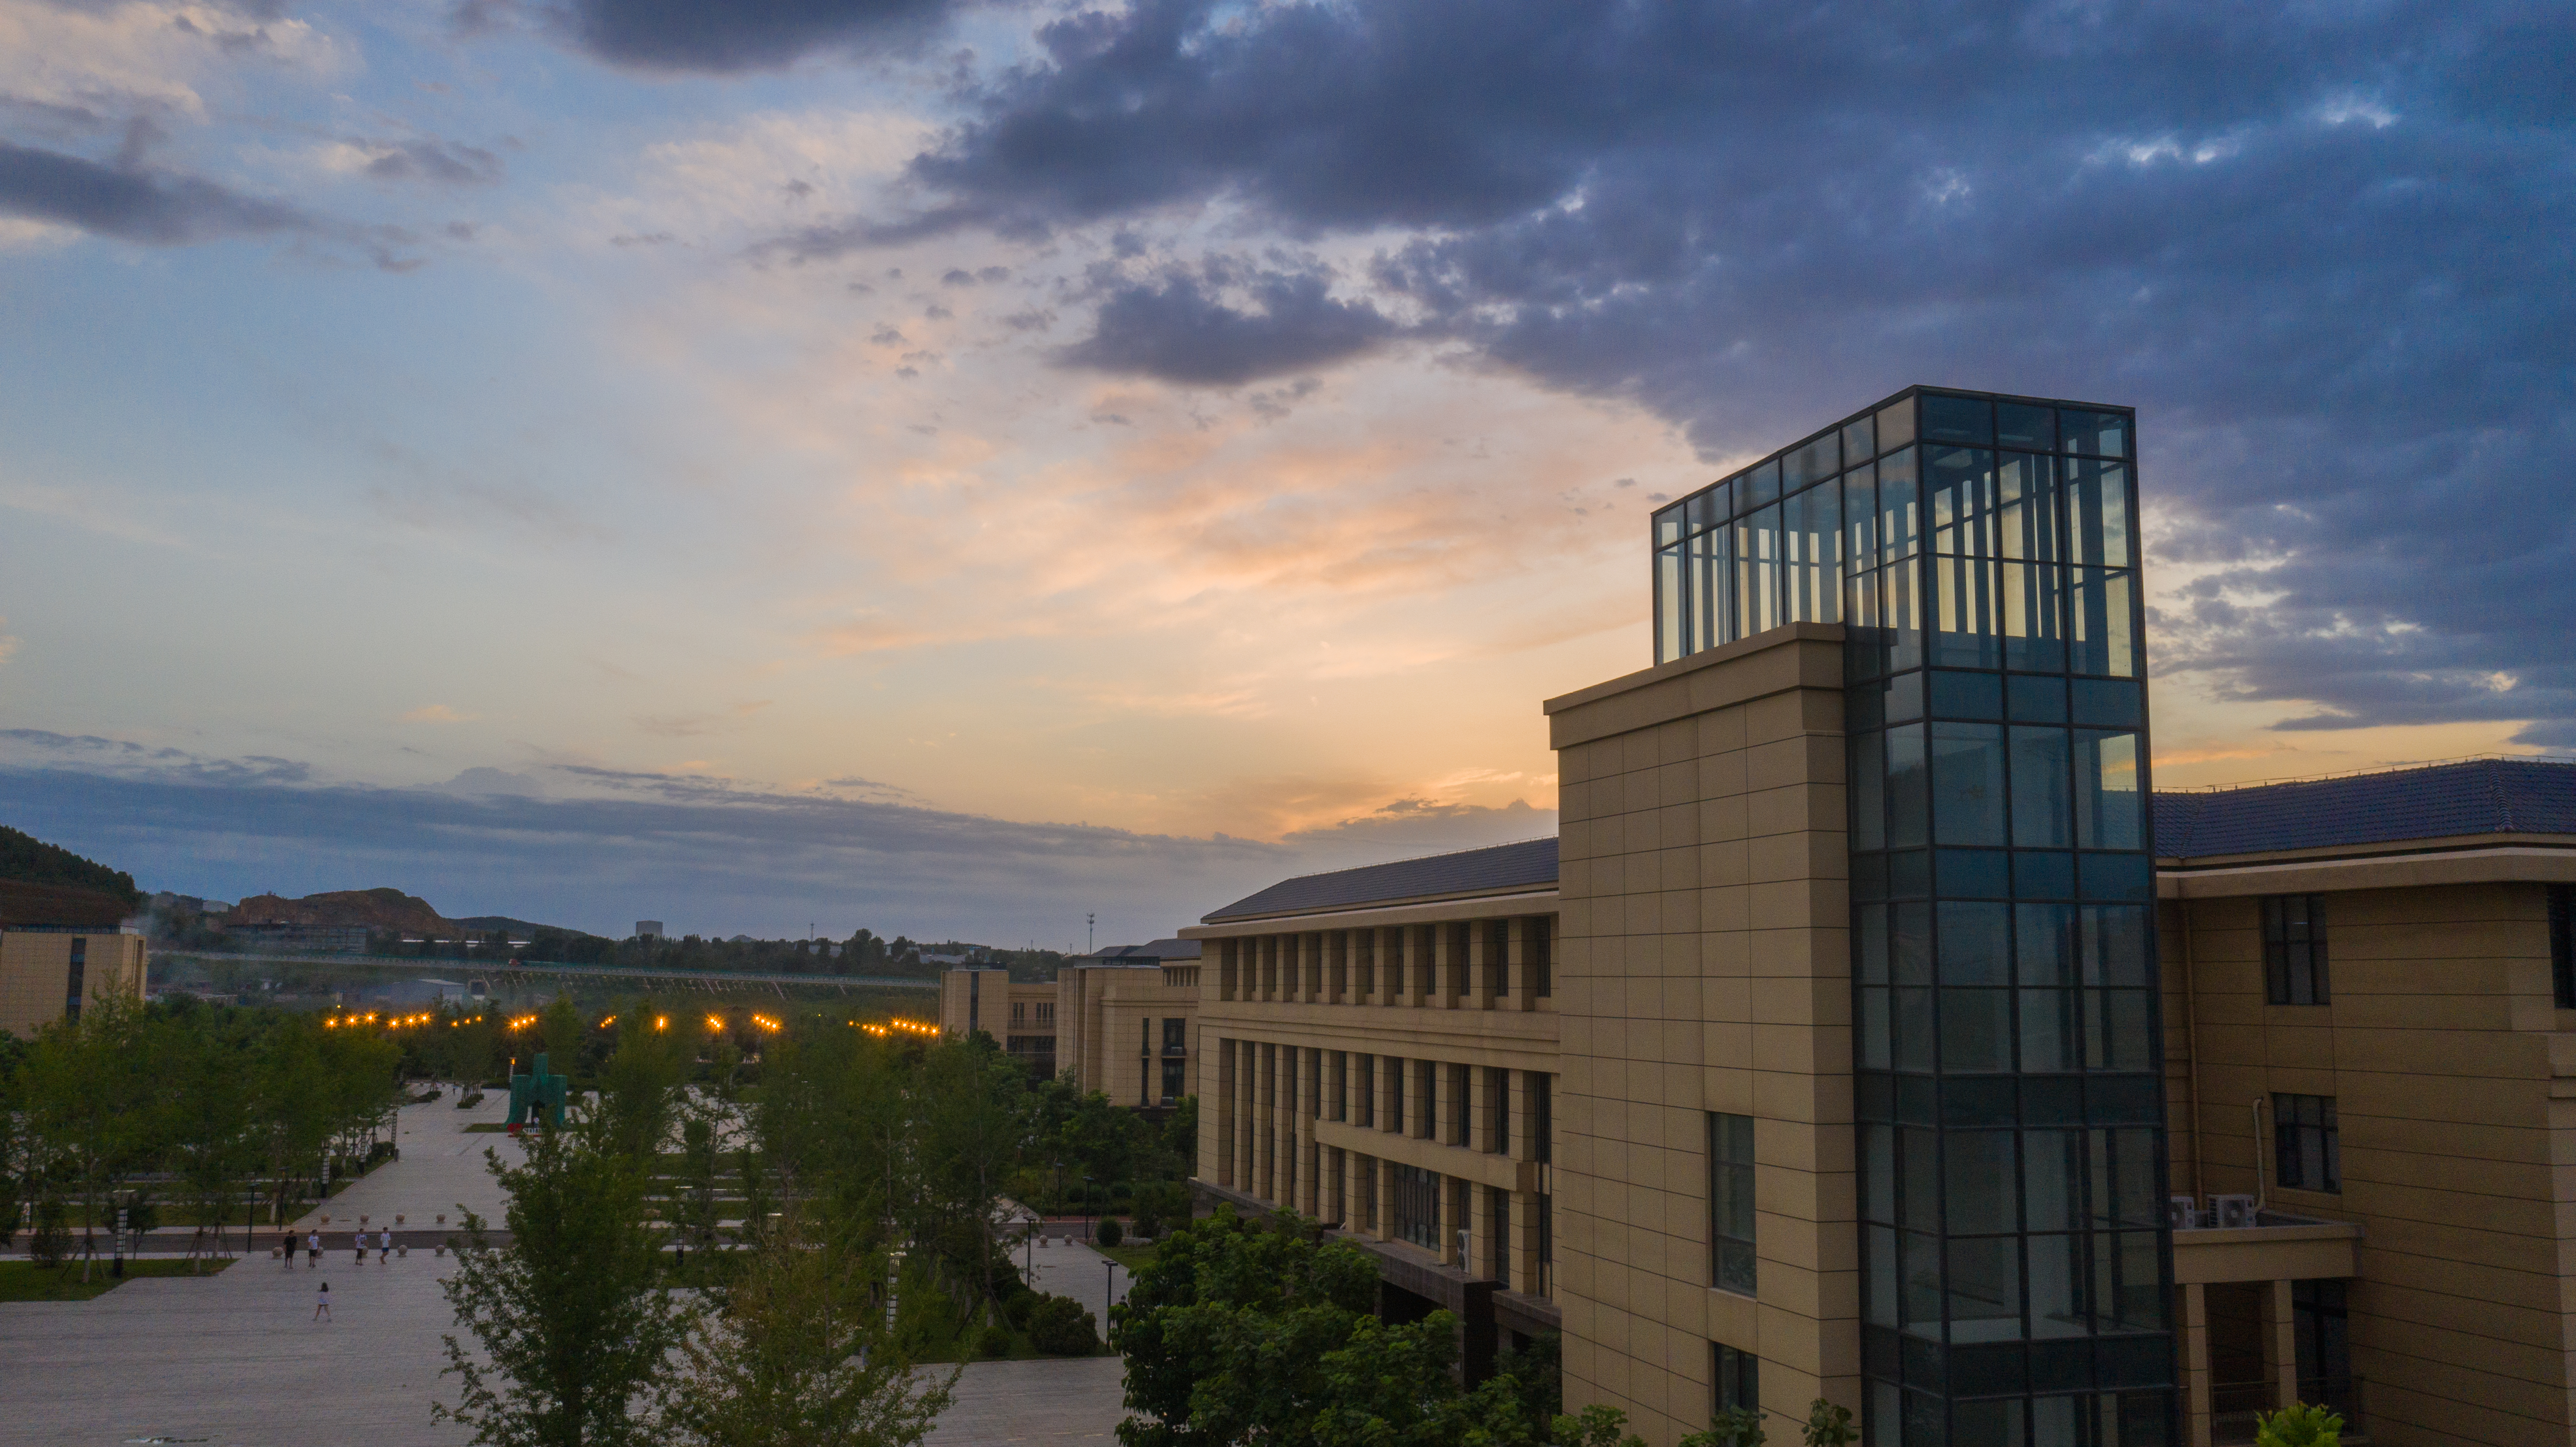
<point>720,856</point>
<point>2324,250</point>
<point>1179,330</point>
<point>131,205</point>
<point>127,202</point>
<point>690,35</point>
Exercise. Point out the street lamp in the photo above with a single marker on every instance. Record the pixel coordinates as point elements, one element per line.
<point>1086,1210</point>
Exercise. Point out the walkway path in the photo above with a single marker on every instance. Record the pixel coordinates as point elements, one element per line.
<point>236,1360</point>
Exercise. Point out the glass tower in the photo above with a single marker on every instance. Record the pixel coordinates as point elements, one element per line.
<point>1982,553</point>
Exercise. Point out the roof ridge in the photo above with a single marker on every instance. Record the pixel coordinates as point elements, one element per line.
<point>1419,858</point>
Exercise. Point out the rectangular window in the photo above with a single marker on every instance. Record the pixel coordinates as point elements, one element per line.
<point>1730,1201</point>
<point>1368,1193</point>
<point>2562,945</point>
<point>2307,1145</point>
<point>1337,1071</point>
<point>1498,1259</point>
<point>1426,1115</point>
<point>1366,1086</point>
<point>1176,1036</point>
<point>1542,1110</point>
<point>1498,1086</point>
<point>1459,1112</point>
<point>1175,1085</point>
<point>1542,966</point>
<point>1417,1206</point>
<point>1395,1073</point>
<point>2294,949</point>
<point>1734,1382</point>
<point>74,986</point>
<point>1498,959</point>
<point>1364,952</point>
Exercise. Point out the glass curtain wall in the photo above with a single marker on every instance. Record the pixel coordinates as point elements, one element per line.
<point>1982,552</point>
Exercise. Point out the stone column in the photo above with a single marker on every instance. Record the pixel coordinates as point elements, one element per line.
<point>2282,1343</point>
<point>1220,1146</point>
<point>2195,1364</point>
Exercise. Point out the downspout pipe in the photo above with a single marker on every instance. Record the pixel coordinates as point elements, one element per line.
<point>2259,1190</point>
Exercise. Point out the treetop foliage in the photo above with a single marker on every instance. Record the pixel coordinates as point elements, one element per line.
<point>26,859</point>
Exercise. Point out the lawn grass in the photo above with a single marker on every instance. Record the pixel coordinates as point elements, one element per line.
<point>27,1281</point>
<point>1132,1258</point>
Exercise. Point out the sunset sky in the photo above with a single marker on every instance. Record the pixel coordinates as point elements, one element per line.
<point>952,467</point>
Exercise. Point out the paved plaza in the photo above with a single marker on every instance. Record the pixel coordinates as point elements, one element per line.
<point>236,1359</point>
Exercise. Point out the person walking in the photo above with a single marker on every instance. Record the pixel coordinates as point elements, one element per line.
<point>312,1250</point>
<point>385,1246</point>
<point>358,1248</point>
<point>286,1250</point>
<point>322,1304</point>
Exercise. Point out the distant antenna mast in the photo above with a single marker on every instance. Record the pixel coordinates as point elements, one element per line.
<point>1087,920</point>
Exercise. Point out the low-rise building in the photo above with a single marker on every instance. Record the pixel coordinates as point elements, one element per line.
<point>1867,1035</point>
<point>1126,1021</point>
<point>62,948</point>
<point>1021,1017</point>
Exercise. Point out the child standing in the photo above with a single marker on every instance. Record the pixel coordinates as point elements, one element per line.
<point>322,1305</point>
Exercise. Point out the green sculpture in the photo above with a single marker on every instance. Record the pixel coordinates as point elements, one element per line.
<point>539,1096</point>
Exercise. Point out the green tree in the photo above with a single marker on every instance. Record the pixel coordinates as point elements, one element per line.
<point>91,1101</point>
<point>973,1131</point>
<point>641,1086</point>
<point>1225,1331</point>
<point>567,1314</point>
<point>213,1143</point>
<point>797,1355</point>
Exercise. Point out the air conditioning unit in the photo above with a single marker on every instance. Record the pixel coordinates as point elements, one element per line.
<point>2232,1212</point>
<point>2182,1213</point>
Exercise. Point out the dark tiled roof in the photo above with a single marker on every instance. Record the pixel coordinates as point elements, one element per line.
<point>2478,796</point>
<point>1153,954</point>
<point>65,906</point>
<point>1530,864</point>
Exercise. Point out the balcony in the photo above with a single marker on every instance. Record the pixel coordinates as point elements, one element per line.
<point>2263,1318</point>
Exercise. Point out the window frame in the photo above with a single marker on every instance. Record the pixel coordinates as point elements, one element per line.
<point>2295,967</point>
<point>2298,1120</point>
<point>1733,1262</point>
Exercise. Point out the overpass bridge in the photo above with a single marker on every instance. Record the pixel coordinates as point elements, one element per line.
<point>503,972</point>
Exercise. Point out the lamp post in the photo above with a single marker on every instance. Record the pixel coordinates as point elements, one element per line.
<point>1108,1293</point>
<point>1086,1211</point>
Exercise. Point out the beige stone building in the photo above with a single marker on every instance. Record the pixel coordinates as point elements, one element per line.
<point>1874,1031</point>
<point>1020,1017</point>
<point>62,949</point>
<point>1127,1021</point>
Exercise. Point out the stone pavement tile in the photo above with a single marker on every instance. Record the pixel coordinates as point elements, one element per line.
<point>441,1167</point>
<point>1045,1403</point>
<point>234,1359</point>
<point>1066,1269</point>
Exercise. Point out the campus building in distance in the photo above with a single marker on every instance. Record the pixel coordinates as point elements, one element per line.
<point>1873,1031</point>
<point>62,948</point>
<point>1120,1021</point>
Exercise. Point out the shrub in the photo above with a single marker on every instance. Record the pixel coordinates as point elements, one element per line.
<point>2299,1426</point>
<point>1059,1326</point>
<point>1149,1222</point>
<point>1110,1234</point>
<point>994,1342</point>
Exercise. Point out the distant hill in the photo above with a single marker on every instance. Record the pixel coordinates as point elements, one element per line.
<point>518,928</point>
<point>26,859</point>
<point>384,909</point>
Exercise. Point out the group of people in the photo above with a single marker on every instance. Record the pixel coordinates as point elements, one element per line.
<point>313,1259</point>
